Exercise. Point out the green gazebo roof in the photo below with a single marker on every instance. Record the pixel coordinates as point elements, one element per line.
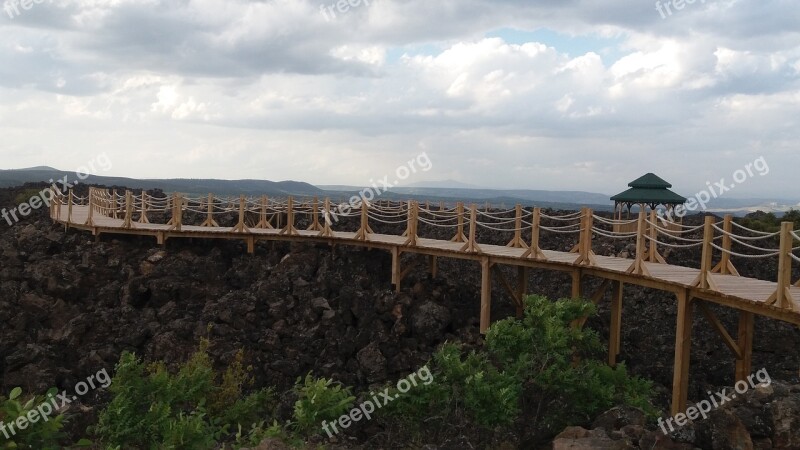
<point>649,189</point>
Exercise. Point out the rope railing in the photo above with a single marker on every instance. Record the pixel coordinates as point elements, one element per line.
<point>323,215</point>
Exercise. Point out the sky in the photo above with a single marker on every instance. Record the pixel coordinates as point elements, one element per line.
<point>553,94</point>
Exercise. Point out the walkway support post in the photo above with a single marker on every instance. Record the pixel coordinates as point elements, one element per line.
<point>143,209</point>
<point>486,293</point>
<point>263,222</point>
<point>326,228</point>
<point>615,329</point>
<point>638,267</point>
<point>683,346</point>
<point>745,343</point>
<point>586,255</point>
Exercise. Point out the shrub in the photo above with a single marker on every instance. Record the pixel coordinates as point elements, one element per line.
<point>540,363</point>
<point>319,399</point>
<point>152,407</point>
<point>41,435</point>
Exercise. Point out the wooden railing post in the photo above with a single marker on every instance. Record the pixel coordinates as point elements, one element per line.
<point>240,226</point>
<point>586,255</point>
<point>411,227</point>
<point>725,266</point>
<point>289,228</point>
<point>783,294</point>
<point>89,220</point>
<point>364,231</point>
<point>534,251</point>
<point>326,227</point>
<point>69,206</point>
<point>704,279</point>
<point>472,246</point>
<point>315,225</point>
<point>638,267</point>
<point>143,208</point>
<point>210,222</point>
<point>459,237</point>
<point>128,209</point>
<point>517,242</point>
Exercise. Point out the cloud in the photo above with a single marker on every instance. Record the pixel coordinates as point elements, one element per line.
<point>550,95</point>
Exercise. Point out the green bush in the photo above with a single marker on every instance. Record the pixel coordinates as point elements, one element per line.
<point>41,435</point>
<point>319,399</point>
<point>540,364</point>
<point>153,408</point>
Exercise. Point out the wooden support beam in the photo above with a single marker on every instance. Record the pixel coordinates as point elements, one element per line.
<point>585,254</point>
<point>577,289</point>
<point>517,241</point>
<point>251,245</point>
<point>459,237</point>
<point>472,246</point>
<point>683,346</point>
<point>744,361</point>
<point>720,329</point>
<point>783,294</point>
<point>486,293</point>
<point>434,262</point>
<point>522,289</point>
<point>615,328</point>
<point>396,269</point>
<point>595,299</point>
<point>652,247</point>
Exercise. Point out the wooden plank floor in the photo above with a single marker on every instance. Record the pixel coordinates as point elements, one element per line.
<point>746,290</point>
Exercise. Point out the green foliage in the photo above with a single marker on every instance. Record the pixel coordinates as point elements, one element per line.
<point>319,399</point>
<point>541,364</point>
<point>41,435</point>
<point>153,408</point>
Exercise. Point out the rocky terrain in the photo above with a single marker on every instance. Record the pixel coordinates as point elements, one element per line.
<point>69,306</point>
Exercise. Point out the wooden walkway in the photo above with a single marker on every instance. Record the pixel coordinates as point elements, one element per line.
<point>106,212</point>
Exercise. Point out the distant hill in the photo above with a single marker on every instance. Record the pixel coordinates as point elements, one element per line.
<point>16,177</point>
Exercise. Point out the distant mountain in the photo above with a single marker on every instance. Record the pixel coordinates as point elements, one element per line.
<point>17,177</point>
<point>444,184</point>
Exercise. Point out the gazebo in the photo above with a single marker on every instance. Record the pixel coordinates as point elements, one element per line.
<point>647,191</point>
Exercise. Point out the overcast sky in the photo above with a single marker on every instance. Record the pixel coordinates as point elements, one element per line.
<point>556,94</point>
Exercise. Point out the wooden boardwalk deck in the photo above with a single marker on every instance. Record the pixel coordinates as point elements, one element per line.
<point>108,213</point>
